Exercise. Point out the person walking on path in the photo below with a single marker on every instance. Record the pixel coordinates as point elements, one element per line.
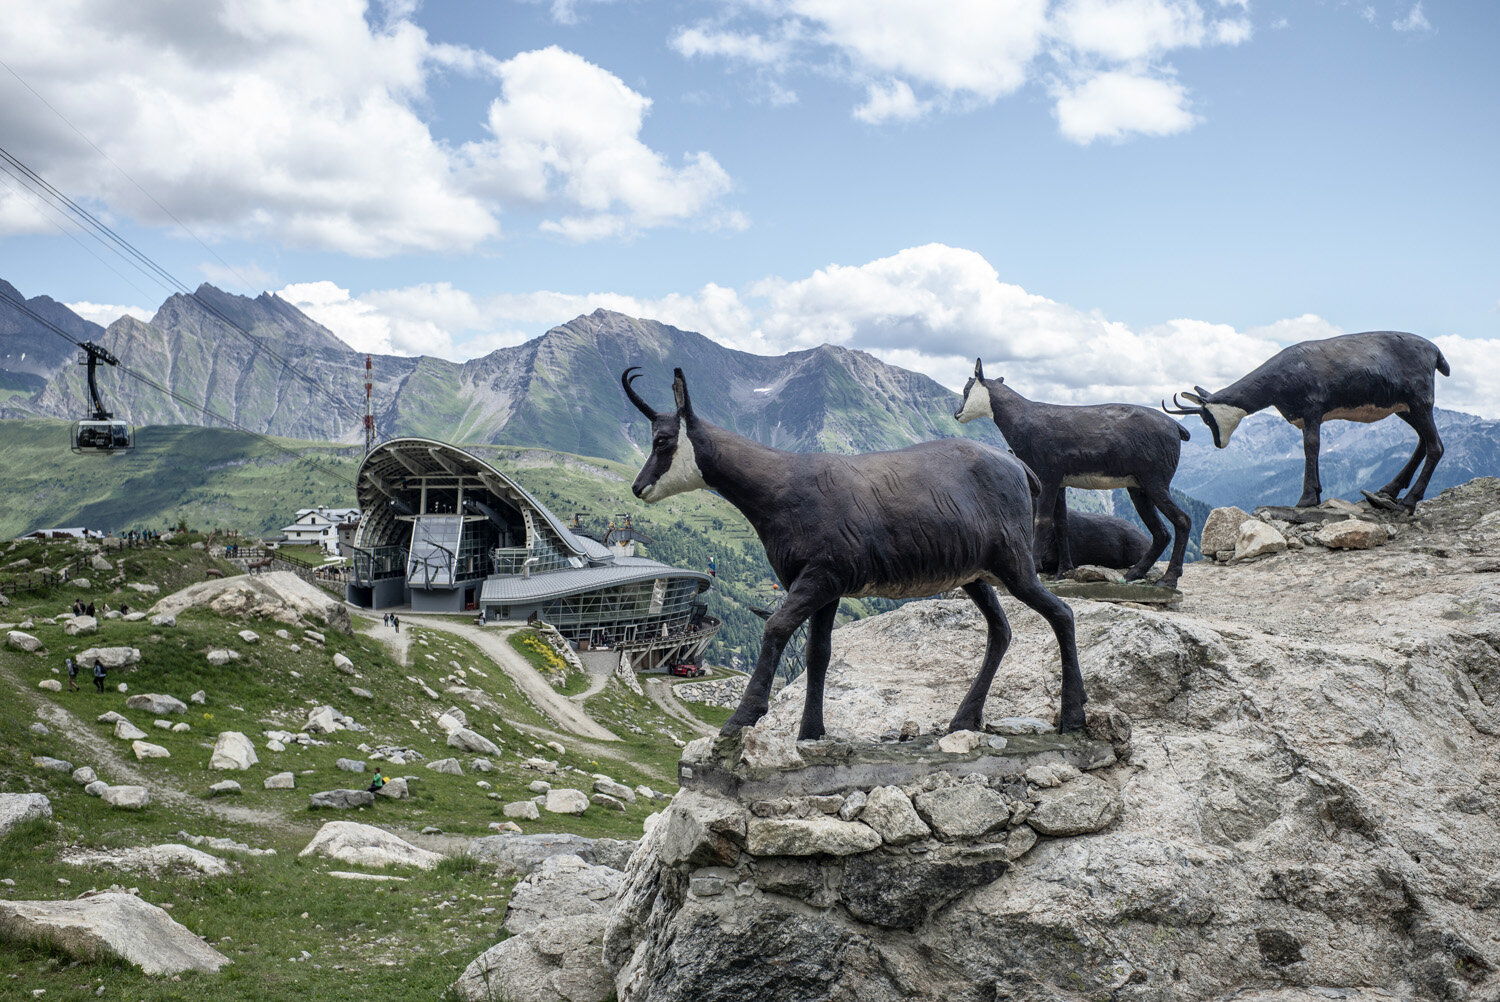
<point>396,622</point>
<point>98,674</point>
<point>72,676</point>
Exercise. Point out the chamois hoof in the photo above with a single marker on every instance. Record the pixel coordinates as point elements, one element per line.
<point>1383,501</point>
<point>1308,502</point>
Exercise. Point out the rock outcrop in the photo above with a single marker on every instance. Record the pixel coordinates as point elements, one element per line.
<point>112,924</point>
<point>366,845</point>
<point>279,595</point>
<point>1302,804</point>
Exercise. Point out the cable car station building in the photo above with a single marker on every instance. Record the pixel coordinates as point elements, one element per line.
<point>444,531</point>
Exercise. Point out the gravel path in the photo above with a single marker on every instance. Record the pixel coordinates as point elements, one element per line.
<point>662,695</point>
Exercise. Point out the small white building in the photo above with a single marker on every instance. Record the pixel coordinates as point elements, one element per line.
<point>319,526</point>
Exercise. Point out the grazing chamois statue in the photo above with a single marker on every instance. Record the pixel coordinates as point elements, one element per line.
<point>1096,447</point>
<point>903,524</point>
<point>1353,377</point>
<point>1099,539</point>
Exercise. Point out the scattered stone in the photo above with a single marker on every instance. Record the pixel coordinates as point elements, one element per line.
<point>526,810</point>
<point>39,729</point>
<point>165,619</point>
<point>18,808</point>
<point>153,859</point>
<point>1222,528</point>
<point>565,801</point>
<point>960,742</point>
<point>224,786</point>
<point>1354,534</point>
<point>200,697</point>
<point>232,750</point>
<point>366,845</point>
<point>131,798</point>
<point>472,741</point>
<point>51,764</point>
<point>1256,539</point>
<point>280,781</point>
<point>81,624</point>
<point>112,658</point>
<point>512,854</point>
<point>181,726</point>
<point>351,875</point>
<point>355,690</point>
<point>156,703</point>
<point>540,765</point>
<point>343,664</point>
<point>395,789</point>
<point>23,641</point>
<point>84,775</point>
<point>96,788</point>
<point>145,750</point>
<point>350,765</point>
<point>104,926</point>
<point>50,684</point>
<point>220,657</point>
<point>608,787</point>
<point>606,801</point>
<point>557,747</point>
<point>165,725</point>
<point>447,766</point>
<point>342,799</point>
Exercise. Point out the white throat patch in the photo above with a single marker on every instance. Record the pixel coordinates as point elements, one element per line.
<point>1227,418</point>
<point>976,404</point>
<point>682,475</point>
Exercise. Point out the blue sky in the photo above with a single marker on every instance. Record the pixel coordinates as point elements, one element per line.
<point>1107,199</point>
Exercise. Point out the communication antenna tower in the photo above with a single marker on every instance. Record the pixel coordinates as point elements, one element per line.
<point>369,414</point>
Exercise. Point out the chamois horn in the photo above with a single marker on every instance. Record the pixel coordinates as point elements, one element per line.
<point>1179,409</point>
<point>629,376</point>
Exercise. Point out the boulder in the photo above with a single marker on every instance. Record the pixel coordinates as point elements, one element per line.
<point>156,703</point>
<point>200,697</point>
<point>321,720</point>
<point>523,853</point>
<point>277,595</point>
<point>84,775</point>
<point>280,781</point>
<point>23,641</point>
<point>80,625</point>
<point>50,684</point>
<point>130,798</point>
<point>99,563</point>
<point>394,789</point>
<point>111,657</point>
<point>349,765</point>
<point>343,664</point>
<point>154,859</point>
<point>559,887</point>
<point>1222,528</point>
<point>1256,539</point>
<point>472,741</point>
<point>164,619</point>
<point>1353,534</point>
<point>232,750</point>
<point>224,786</point>
<point>104,926</point>
<point>249,636</point>
<point>219,657</point>
<point>17,808</point>
<point>126,731</point>
<point>51,764</point>
<point>96,788</point>
<point>182,726</point>
<point>559,961</point>
<point>449,766</point>
<point>564,801</point>
<point>526,810</point>
<point>145,750</point>
<point>341,799</point>
<point>366,845</point>
<point>610,788</point>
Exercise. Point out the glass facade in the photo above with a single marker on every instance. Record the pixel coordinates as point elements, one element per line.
<point>624,613</point>
<point>376,563</point>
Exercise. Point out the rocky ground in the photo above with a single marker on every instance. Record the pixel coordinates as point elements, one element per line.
<point>1306,808</point>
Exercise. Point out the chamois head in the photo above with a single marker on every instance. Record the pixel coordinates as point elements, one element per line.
<point>977,396</point>
<point>671,468</point>
<point>1221,418</point>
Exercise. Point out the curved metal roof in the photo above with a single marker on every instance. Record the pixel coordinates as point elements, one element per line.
<point>555,584</point>
<point>390,464</point>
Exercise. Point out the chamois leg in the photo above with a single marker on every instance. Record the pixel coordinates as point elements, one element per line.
<point>971,711</point>
<point>1312,487</point>
<point>1046,543</point>
<point>1159,538</point>
<point>1427,428</point>
<point>1021,581</point>
<point>1060,532</point>
<point>819,647</point>
<point>801,602</point>
<point>1403,476</point>
<point>1182,526</point>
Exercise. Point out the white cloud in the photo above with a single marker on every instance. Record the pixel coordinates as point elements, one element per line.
<point>1118,104</point>
<point>104,314</point>
<point>566,131</point>
<point>306,122</point>
<point>931,309</point>
<point>1104,58</point>
<point>1414,20</point>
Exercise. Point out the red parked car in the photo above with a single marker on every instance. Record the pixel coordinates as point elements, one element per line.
<point>686,671</point>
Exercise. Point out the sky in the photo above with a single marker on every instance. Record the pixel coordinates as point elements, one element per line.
<point>1105,199</point>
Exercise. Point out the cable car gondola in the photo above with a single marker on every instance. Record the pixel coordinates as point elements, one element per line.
<point>100,434</point>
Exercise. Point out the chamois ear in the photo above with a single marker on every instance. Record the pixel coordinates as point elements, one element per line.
<point>978,368</point>
<point>680,394</point>
<point>1192,398</point>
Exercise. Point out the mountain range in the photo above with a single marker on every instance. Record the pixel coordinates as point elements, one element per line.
<point>268,368</point>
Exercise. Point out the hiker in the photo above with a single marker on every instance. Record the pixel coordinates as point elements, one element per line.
<point>72,676</point>
<point>396,622</point>
<point>377,782</point>
<point>386,618</point>
<point>89,609</point>
<point>98,674</point>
